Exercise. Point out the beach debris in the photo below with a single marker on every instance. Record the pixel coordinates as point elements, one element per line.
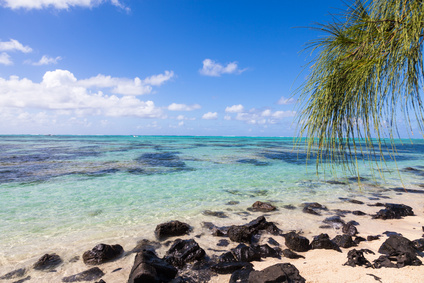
<point>290,254</point>
<point>349,228</point>
<point>281,272</point>
<point>313,207</point>
<point>297,243</point>
<point>219,214</point>
<point>149,268</point>
<point>322,241</point>
<point>184,251</point>
<point>245,233</point>
<point>262,206</point>
<point>47,261</point>
<point>357,258</point>
<point>394,211</point>
<point>88,275</point>
<point>171,229</point>
<point>102,253</point>
<point>344,241</point>
<point>14,274</point>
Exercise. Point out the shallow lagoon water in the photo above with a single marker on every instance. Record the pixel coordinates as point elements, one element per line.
<point>71,192</point>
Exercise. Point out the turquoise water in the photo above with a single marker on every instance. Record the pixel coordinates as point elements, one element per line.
<point>76,188</point>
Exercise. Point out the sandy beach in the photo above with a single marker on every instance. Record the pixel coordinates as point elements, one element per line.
<point>319,265</point>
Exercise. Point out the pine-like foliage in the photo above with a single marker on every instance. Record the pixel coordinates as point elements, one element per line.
<point>367,74</point>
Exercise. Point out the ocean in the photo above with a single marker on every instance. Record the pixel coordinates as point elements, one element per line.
<point>65,194</point>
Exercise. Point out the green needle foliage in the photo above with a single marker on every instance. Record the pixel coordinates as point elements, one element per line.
<point>367,71</point>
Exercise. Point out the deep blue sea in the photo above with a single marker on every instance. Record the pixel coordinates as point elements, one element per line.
<point>79,190</point>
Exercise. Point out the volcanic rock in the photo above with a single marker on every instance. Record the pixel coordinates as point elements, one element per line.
<point>102,253</point>
<point>171,229</point>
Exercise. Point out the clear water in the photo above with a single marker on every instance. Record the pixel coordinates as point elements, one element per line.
<point>77,190</point>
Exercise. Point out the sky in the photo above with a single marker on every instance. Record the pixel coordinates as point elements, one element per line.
<point>155,67</point>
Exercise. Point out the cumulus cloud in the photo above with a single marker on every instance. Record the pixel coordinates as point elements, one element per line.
<point>14,45</point>
<point>261,117</point>
<point>183,107</point>
<point>210,116</point>
<point>234,109</point>
<point>127,86</point>
<point>45,60</point>
<point>57,4</point>
<point>5,59</point>
<point>213,69</point>
<point>285,101</point>
<point>61,91</point>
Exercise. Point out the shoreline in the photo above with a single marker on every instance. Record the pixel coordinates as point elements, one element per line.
<point>318,266</point>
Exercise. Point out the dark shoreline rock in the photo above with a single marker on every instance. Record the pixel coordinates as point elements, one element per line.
<point>102,253</point>
<point>296,242</point>
<point>88,275</point>
<point>171,229</point>
<point>281,272</point>
<point>47,261</point>
<point>394,211</point>
<point>262,207</point>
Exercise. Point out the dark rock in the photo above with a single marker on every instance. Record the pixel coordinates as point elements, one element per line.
<point>22,280</point>
<point>313,207</point>
<point>334,220</point>
<point>145,245</point>
<point>394,211</point>
<point>246,254</point>
<point>102,253</point>
<point>241,234</point>
<point>233,202</point>
<point>48,261</point>
<point>281,272</point>
<point>342,212</point>
<point>216,231</point>
<point>183,251</point>
<point>292,255</point>
<point>344,241</point>
<point>267,251</point>
<point>100,281</point>
<point>355,201</point>
<point>241,275</point>
<point>332,182</point>
<point>323,241</point>
<point>116,270</point>
<point>376,278</point>
<point>410,169</point>
<point>223,243</point>
<point>411,191</point>
<point>357,179</point>
<point>383,261</point>
<point>273,242</point>
<point>230,267</point>
<point>373,238</point>
<point>358,212</point>
<point>297,243</point>
<point>171,229</point>
<point>149,268</point>
<point>356,258</point>
<point>14,274</point>
<point>397,244</point>
<point>244,233</point>
<point>349,229</point>
<point>376,204</point>
<point>218,214</point>
<point>419,244</point>
<point>326,226</point>
<point>359,239</point>
<point>263,206</point>
<point>88,275</point>
<point>75,259</point>
<point>289,207</point>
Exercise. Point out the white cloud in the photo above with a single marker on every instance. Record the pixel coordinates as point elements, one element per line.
<point>213,69</point>
<point>57,4</point>
<point>183,107</point>
<point>234,109</point>
<point>182,117</point>
<point>126,86</point>
<point>285,101</point>
<point>61,91</point>
<point>258,117</point>
<point>5,59</point>
<point>210,116</point>
<point>14,45</point>
<point>45,60</point>
<point>283,114</point>
<point>266,113</point>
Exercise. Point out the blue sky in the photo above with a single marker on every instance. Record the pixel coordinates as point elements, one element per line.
<point>154,67</point>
